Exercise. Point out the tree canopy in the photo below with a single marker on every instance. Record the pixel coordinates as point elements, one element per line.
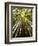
<point>21,21</point>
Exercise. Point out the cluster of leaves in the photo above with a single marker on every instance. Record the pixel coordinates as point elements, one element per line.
<point>23,16</point>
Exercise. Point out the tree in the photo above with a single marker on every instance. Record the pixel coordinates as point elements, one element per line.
<point>21,22</point>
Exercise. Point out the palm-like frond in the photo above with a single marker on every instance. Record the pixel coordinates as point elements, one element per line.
<point>21,22</point>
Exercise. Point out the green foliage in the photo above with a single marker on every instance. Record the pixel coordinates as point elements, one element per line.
<point>24,16</point>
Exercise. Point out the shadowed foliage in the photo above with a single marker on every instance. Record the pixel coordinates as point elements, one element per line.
<point>21,22</point>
